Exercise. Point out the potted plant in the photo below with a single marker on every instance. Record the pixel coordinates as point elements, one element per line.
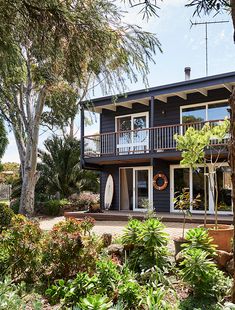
<point>199,147</point>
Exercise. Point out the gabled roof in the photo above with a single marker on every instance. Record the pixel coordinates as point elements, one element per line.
<point>180,89</point>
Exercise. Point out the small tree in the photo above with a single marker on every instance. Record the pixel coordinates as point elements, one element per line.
<point>195,145</point>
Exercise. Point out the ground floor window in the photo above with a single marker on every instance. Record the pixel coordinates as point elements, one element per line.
<point>196,183</point>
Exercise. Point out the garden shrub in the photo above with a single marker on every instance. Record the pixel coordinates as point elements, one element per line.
<point>72,225</point>
<point>109,275</point>
<point>130,293</point>
<point>203,303</point>
<point>85,200</point>
<point>15,206</point>
<point>147,242</point>
<point>68,249</point>
<point>6,215</point>
<point>21,246</point>
<point>14,296</point>
<point>199,239</point>
<point>61,254</point>
<point>70,292</point>
<point>53,207</point>
<point>202,274</point>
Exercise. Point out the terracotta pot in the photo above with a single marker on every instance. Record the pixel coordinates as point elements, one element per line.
<point>222,236</point>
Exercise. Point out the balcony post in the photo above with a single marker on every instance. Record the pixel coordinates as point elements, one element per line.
<point>151,133</point>
<point>82,130</point>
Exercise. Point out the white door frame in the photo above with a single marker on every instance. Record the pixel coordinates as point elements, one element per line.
<point>150,192</point>
<point>211,209</point>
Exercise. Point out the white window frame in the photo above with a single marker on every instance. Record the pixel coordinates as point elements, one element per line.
<point>132,115</point>
<point>150,193</point>
<point>205,104</point>
<point>132,145</point>
<point>211,209</point>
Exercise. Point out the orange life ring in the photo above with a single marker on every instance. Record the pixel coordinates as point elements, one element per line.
<point>158,176</point>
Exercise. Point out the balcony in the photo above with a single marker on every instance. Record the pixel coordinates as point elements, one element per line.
<point>141,141</point>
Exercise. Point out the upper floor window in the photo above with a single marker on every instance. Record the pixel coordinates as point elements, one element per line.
<point>204,112</point>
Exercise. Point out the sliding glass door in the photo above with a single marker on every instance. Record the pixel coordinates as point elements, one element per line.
<point>135,188</point>
<point>195,182</point>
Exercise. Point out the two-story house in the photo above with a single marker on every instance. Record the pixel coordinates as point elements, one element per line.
<point>136,143</point>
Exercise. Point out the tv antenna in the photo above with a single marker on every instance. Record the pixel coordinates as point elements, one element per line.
<point>206,35</point>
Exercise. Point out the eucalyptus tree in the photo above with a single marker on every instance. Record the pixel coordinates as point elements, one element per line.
<point>3,138</point>
<point>48,45</point>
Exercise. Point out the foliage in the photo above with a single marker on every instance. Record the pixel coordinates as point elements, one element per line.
<point>67,249</point>
<point>15,205</point>
<point>61,252</point>
<point>94,302</point>
<point>148,241</point>
<point>3,138</point>
<point>53,207</point>
<point>208,6</point>
<point>6,215</point>
<point>194,142</point>
<point>70,292</point>
<point>21,248</point>
<point>14,296</point>
<point>198,238</point>
<point>130,293</point>
<point>109,275</point>
<point>155,299</point>
<point>10,295</point>
<point>71,225</point>
<point>182,202</point>
<point>55,42</point>
<point>10,172</point>
<point>202,274</point>
<point>193,145</point>
<point>60,168</point>
<point>147,7</point>
<point>85,199</point>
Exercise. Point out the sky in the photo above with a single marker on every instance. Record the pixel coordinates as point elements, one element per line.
<point>182,46</point>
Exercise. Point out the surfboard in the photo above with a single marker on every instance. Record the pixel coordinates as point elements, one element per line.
<point>108,193</point>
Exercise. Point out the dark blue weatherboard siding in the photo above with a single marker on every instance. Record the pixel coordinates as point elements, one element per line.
<point>171,108</point>
<point>161,199</point>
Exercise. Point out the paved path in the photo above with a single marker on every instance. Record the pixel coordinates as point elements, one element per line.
<point>115,227</point>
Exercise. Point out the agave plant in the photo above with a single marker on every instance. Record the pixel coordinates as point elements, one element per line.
<point>198,238</point>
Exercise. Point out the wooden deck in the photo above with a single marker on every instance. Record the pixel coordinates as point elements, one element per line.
<point>164,216</point>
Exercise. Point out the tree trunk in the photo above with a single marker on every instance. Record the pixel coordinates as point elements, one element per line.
<point>71,127</point>
<point>29,156</point>
<point>27,194</point>
<point>232,165</point>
